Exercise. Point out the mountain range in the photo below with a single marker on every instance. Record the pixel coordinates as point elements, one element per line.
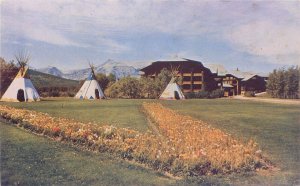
<point>110,66</point>
<point>120,69</point>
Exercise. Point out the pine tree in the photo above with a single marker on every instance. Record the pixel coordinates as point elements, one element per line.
<point>284,83</point>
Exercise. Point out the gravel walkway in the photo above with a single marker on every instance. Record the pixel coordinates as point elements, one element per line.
<point>270,100</point>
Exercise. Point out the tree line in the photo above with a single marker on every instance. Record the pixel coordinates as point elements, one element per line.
<point>284,83</point>
<point>8,71</point>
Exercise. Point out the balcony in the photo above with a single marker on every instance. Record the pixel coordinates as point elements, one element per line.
<point>186,82</point>
<point>197,74</point>
<point>186,74</point>
<point>186,90</point>
<point>197,82</point>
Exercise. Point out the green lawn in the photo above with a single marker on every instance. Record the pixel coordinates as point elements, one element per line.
<point>121,113</point>
<point>275,127</point>
<point>27,159</point>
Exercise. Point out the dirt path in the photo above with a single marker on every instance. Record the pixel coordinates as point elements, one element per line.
<point>270,100</point>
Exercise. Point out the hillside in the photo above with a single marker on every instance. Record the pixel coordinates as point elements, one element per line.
<point>40,79</point>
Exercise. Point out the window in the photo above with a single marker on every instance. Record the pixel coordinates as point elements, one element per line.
<point>197,86</point>
<point>186,78</point>
<point>197,78</point>
<point>186,87</point>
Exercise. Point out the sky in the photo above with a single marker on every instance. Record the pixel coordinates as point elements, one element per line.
<point>249,35</point>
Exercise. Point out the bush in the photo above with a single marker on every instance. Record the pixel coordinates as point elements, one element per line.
<point>8,72</point>
<point>204,94</point>
<point>54,94</point>
<point>71,94</point>
<point>196,95</point>
<point>218,93</point>
<point>127,87</point>
<point>57,91</point>
<point>249,94</point>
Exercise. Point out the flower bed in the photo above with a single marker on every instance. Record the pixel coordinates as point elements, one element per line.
<point>188,147</point>
<point>206,148</point>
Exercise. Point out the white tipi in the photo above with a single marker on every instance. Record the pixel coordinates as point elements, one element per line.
<point>21,89</point>
<point>90,89</point>
<point>172,91</point>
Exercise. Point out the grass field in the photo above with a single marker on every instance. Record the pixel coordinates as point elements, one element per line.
<point>275,127</point>
<point>27,159</point>
<point>121,113</point>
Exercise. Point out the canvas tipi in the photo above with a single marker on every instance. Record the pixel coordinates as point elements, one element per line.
<point>172,91</point>
<point>90,89</point>
<point>21,89</point>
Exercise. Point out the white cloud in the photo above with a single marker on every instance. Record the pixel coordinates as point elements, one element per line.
<point>111,46</point>
<point>268,39</point>
<point>259,28</point>
<point>175,17</point>
<point>49,36</point>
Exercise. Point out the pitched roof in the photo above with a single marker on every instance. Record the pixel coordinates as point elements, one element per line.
<point>175,60</point>
<point>218,69</point>
<point>240,74</point>
<point>225,85</point>
<point>247,77</point>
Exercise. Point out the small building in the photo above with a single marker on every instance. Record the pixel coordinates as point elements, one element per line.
<point>231,84</point>
<point>235,85</point>
<point>195,76</point>
<point>253,83</point>
<point>237,82</point>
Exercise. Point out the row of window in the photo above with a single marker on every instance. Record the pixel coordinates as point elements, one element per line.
<point>229,78</point>
<point>188,87</point>
<point>230,82</point>
<point>189,78</point>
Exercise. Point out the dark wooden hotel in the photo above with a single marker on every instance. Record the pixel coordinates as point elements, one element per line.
<point>196,77</point>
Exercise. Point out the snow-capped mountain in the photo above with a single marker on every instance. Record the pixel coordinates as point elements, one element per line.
<point>51,70</point>
<point>110,66</point>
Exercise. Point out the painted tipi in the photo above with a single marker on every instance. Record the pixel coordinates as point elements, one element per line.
<point>172,91</point>
<point>90,89</point>
<point>21,89</point>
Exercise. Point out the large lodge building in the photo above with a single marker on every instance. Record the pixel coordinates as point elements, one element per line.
<point>196,77</point>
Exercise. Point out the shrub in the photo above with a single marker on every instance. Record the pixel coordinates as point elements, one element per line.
<point>8,71</point>
<point>54,94</point>
<point>204,94</point>
<point>196,95</point>
<point>127,87</point>
<point>71,94</point>
<point>218,93</point>
<point>249,94</point>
